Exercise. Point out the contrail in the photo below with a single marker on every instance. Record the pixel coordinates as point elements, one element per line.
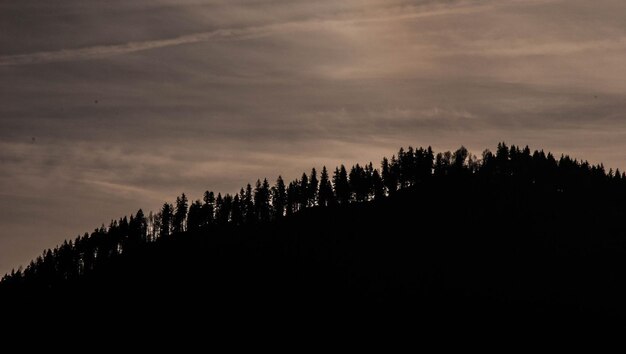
<point>95,52</point>
<point>116,49</point>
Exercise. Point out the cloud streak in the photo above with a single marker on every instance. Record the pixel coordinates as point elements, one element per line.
<point>394,14</point>
<point>117,49</point>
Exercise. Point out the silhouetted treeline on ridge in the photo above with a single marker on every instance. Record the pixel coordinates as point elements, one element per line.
<point>251,205</point>
<point>445,213</point>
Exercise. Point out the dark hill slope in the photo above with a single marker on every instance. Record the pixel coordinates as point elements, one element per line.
<point>449,251</point>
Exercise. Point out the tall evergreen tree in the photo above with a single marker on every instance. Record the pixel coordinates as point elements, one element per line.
<point>358,184</point>
<point>155,230</point>
<point>378,186</point>
<point>341,184</point>
<point>262,200</point>
<point>292,197</point>
<point>248,203</point>
<point>312,189</point>
<point>219,209</point>
<point>180,216</point>
<point>208,208</point>
<point>303,191</point>
<point>225,209</point>
<point>279,197</point>
<point>237,214</point>
<point>459,159</point>
<point>325,194</point>
<point>443,162</point>
<point>167,216</point>
<point>388,178</point>
<point>137,228</point>
<point>194,217</point>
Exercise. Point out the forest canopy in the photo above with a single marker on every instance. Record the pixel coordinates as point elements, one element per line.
<point>264,202</point>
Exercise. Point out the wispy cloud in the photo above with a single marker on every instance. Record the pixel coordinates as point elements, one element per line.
<point>394,13</point>
<point>520,48</point>
<point>116,49</point>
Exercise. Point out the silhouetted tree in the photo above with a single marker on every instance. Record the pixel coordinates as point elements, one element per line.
<point>167,215</point>
<point>459,161</point>
<point>389,178</point>
<point>378,186</point>
<point>225,210</point>
<point>208,209</point>
<point>137,229</point>
<point>219,209</point>
<point>279,197</point>
<point>341,184</point>
<point>248,203</point>
<point>237,213</point>
<point>180,216</point>
<point>442,163</point>
<point>312,189</point>
<point>195,218</point>
<point>358,184</point>
<point>262,200</point>
<point>292,197</point>
<point>303,199</point>
<point>325,194</point>
<point>152,231</point>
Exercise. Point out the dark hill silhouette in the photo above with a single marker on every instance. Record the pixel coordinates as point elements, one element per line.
<point>511,239</point>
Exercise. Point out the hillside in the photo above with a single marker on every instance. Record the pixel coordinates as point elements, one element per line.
<point>512,238</point>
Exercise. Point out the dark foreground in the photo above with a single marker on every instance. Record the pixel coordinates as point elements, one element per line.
<point>443,254</point>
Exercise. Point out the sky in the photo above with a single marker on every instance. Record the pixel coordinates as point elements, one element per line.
<point>111,106</point>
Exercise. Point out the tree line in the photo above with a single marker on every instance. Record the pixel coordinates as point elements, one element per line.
<point>264,202</point>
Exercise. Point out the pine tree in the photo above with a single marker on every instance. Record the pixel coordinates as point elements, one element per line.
<point>237,211</point>
<point>137,228</point>
<point>180,215</point>
<point>303,192</point>
<point>292,197</point>
<point>167,215</point>
<point>258,200</point>
<point>312,190</point>
<point>225,210</point>
<point>325,195</point>
<point>262,200</point>
<point>378,186</point>
<point>208,209</point>
<point>248,203</point>
<point>219,210</point>
<point>279,198</point>
<point>442,163</point>
<point>459,159</point>
<point>342,186</point>
<point>358,185</point>
<point>195,217</point>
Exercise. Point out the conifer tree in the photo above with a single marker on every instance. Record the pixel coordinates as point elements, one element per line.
<point>180,215</point>
<point>237,215</point>
<point>248,203</point>
<point>312,189</point>
<point>303,192</point>
<point>279,198</point>
<point>341,184</point>
<point>195,217</point>
<point>325,195</point>
<point>167,215</point>
<point>208,208</point>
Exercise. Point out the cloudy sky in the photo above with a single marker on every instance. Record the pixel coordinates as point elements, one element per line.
<point>111,106</point>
